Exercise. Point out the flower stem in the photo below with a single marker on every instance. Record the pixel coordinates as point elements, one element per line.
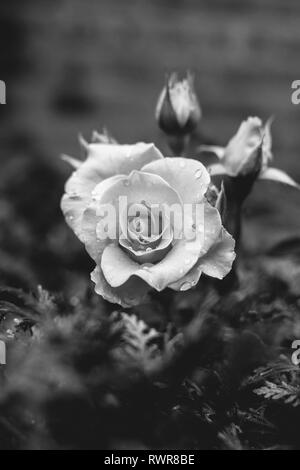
<point>178,144</point>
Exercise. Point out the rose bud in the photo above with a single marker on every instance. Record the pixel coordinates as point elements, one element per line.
<point>248,155</point>
<point>178,111</point>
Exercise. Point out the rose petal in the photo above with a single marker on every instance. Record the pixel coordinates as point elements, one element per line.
<point>149,229</point>
<point>267,142</point>
<point>216,263</point>
<point>154,254</point>
<point>246,141</point>
<point>187,176</point>
<point>135,187</point>
<point>132,293</point>
<point>72,208</point>
<point>121,159</point>
<point>188,281</point>
<point>181,101</point>
<point>118,267</point>
<point>218,260</point>
<point>273,174</point>
<point>85,227</point>
<point>104,161</point>
<point>218,151</point>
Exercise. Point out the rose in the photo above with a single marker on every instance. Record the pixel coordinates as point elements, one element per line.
<point>129,264</point>
<point>248,153</point>
<point>178,110</point>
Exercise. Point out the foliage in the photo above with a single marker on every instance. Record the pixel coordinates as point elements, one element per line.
<point>81,375</point>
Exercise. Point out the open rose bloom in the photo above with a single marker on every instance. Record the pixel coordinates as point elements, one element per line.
<point>145,221</point>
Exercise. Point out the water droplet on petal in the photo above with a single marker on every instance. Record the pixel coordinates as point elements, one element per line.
<point>146,266</point>
<point>198,173</point>
<point>74,195</point>
<point>148,249</point>
<point>185,286</point>
<point>182,164</point>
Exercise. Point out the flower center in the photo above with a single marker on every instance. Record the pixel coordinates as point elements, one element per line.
<point>144,232</point>
<point>144,226</point>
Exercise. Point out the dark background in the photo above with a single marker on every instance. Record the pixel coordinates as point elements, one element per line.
<point>73,66</point>
<point>79,376</point>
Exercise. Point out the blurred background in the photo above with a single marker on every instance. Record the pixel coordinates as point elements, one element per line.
<point>72,66</point>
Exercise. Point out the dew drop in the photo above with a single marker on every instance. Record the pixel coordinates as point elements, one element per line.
<point>185,286</point>
<point>198,173</point>
<point>74,195</point>
<point>146,266</point>
<point>182,164</point>
<point>148,249</point>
